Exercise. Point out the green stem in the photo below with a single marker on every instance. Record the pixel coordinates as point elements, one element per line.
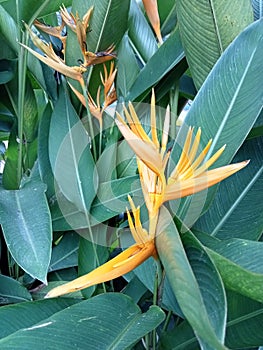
<point>174,98</point>
<point>167,320</point>
<point>91,130</point>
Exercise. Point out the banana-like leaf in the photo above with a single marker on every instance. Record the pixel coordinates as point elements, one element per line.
<point>226,107</point>
<point>107,321</point>
<point>239,262</point>
<point>141,36</point>
<point>167,57</point>
<point>11,291</point>
<point>207,28</point>
<point>27,227</point>
<point>258,8</point>
<point>239,199</point>
<point>70,156</point>
<point>245,317</point>
<point>190,284</point>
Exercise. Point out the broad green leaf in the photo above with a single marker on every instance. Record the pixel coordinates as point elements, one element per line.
<point>225,108</point>
<point>239,199</point>
<point>244,322</point>
<point>157,66</point>
<point>239,262</point>
<point>65,254</point>
<point>245,317</point>
<point>45,169</point>
<point>135,289</point>
<point>11,291</point>
<point>70,156</point>
<point>28,314</point>
<point>106,164</point>
<point>11,178</point>
<point>111,200</point>
<point>167,14</point>
<point>27,227</point>
<point>91,255</point>
<point>184,283</point>
<point>120,321</point>
<point>9,29</point>
<point>207,28</point>
<point>128,68</point>
<point>7,70</point>
<point>141,36</point>
<point>258,9</point>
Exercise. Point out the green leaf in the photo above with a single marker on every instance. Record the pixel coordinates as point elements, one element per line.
<point>117,316</point>
<point>11,291</point>
<point>258,9</point>
<point>157,66</point>
<point>65,254</point>
<point>8,29</point>
<point>92,255</point>
<point>27,227</point>
<point>190,295</point>
<point>141,36</point>
<point>225,114</point>
<point>7,70</point>
<point>111,200</point>
<point>28,314</point>
<point>128,68</point>
<point>244,322</point>
<point>45,169</point>
<point>239,199</point>
<point>70,156</point>
<point>207,28</point>
<point>239,262</point>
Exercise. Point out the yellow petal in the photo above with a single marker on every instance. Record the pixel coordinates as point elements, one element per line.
<point>193,185</point>
<point>145,151</point>
<point>123,263</point>
<point>71,72</point>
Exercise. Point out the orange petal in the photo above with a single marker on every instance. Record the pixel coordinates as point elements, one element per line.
<point>193,185</point>
<point>123,263</point>
<point>151,9</point>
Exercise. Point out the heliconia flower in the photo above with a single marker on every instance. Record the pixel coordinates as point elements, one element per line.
<point>151,8</point>
<point>123,263</point>
<point>91,58</point>
<point>109,94</point>
<point>190,175</point>
<point>53,31</point>
<point>54,61</point>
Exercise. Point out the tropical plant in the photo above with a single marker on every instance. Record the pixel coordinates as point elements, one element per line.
<point>112,199</point>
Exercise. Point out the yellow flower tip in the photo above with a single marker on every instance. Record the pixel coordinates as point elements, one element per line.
<point>123,263</point>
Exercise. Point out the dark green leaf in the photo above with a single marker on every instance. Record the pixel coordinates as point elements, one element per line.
<point>141,36</point>
<point>11,291</point>
<point>239,199</point>
<point>157,66</point>
<point>27,227</point>
<point>229,112</point>
<point>239,264</point>
<point>128,68</point>
<point>244,322</point>
<point>77,326</point>
<point>70,156</point>
<point>184,283</point>
<point>207,28</point>
<point>7,70</point>
<point>65,254</point>
<point>28,314</point>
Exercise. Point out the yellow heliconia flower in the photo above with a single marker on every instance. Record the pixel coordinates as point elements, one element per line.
<point>123,263</point>
<point>190,175</point>
<point>53,60</point>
